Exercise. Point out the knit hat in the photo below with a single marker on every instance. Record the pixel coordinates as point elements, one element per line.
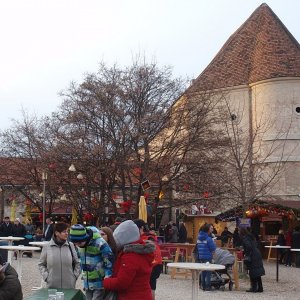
<point>78,233</point>
<point>126,233</point>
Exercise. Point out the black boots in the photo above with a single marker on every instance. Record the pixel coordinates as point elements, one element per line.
<point>259,285</point>
<point>256,285</point>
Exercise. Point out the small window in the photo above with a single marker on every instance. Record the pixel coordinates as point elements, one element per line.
<point>297,109</point>
<point>233,117</point>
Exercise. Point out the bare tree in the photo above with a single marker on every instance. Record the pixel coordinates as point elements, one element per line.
<point>249,169</point>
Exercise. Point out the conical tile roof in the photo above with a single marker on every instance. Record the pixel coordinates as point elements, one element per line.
<point>262,48</point>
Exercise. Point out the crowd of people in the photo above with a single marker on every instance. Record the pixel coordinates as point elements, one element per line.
<point>124,259</point>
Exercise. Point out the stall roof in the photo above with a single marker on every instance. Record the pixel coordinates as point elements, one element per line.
<point>237,212</point>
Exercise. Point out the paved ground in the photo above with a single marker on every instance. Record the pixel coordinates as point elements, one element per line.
<point>178,289</point>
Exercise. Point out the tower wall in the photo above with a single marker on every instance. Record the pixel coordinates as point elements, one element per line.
<point>277,103</point>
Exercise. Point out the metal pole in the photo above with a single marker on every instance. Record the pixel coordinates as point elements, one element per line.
<point>2,204</point>
<point>44,177</point>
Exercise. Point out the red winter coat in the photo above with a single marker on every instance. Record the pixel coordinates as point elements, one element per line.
<point>131,274</point>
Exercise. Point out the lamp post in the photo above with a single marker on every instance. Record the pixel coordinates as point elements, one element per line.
<point>165,180</point>
<point>1,203</point>
<point>44,178</point>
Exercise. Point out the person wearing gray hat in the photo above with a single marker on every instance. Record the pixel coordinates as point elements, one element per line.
<point>132,269</point>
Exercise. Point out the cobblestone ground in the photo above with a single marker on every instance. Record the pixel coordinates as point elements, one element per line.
<point>288,286</point>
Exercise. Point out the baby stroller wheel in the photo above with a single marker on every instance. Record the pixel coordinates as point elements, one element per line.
<point>230,285</point>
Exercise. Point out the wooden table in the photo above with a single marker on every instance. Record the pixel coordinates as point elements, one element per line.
<point>20,250</point>
<point>188,248</point>
<point>195,269</point>
<point>272,243</point>
<point>10,240</point>
<point>277,254</point>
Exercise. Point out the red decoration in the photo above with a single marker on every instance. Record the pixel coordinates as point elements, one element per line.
<point>206,194</point>
<point>52,166</point>
<point>137,171</point>
<point>186,187</point>
<point>146,195</point>
<point>88,217</point>
<point>94,201</point>
<point>126,205</point>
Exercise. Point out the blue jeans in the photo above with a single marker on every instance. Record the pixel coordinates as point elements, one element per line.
<point>205,276</point>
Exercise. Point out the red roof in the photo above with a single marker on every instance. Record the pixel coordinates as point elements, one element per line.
<point>262,48</point>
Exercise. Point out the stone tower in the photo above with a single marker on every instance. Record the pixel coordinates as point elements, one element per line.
<point>259,67</point>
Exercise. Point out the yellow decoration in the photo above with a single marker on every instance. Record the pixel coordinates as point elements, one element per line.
<point>74,216</point>
<point>27,212</point>
<point>143,209</point>
<point>161,195</point>
<point>13,210</point>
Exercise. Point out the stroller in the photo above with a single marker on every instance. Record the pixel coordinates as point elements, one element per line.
<point>221,277</point>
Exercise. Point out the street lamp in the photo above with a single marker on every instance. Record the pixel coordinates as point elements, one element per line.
<point>1,203</point>
<point>72,168</point>
<point>44,178</point>
<point>165,180</point>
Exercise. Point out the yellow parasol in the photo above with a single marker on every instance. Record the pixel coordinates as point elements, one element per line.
<point>74,216</point>
<point>13,210</point>
<point>143,209</point>
<point>27,212</point>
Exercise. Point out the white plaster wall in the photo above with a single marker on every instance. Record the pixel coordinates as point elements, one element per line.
<point>274,104</point>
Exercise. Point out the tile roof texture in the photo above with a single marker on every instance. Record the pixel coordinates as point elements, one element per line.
<point>262,48</point>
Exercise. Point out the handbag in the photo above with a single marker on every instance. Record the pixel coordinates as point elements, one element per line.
<point>110,295</point>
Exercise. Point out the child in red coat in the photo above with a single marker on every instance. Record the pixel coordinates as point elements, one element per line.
<point>131,273</point>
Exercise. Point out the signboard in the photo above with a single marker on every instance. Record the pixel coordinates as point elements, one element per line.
<point>244,222</point>
<point>145,185</point>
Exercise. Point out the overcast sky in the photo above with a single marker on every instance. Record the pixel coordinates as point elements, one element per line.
<point>46,44</point>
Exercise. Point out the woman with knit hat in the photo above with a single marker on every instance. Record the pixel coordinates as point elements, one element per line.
<point>131,274</point>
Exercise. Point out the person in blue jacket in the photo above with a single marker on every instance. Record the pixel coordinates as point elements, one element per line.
<point>205,247</point>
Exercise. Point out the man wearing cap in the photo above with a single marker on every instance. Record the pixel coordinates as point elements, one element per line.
<point>96,259</point>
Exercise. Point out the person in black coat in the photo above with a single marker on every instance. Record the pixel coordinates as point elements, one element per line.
<point>10,287</point>
<point>236,238</point>
<point>281,242</point>
<point>182,233</point>
<point>296,244</point>
<point>6,228</point>
<point>254,263</point>
<point>48,230</point>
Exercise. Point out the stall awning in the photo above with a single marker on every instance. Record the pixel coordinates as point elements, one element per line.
<point>262,208</point>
